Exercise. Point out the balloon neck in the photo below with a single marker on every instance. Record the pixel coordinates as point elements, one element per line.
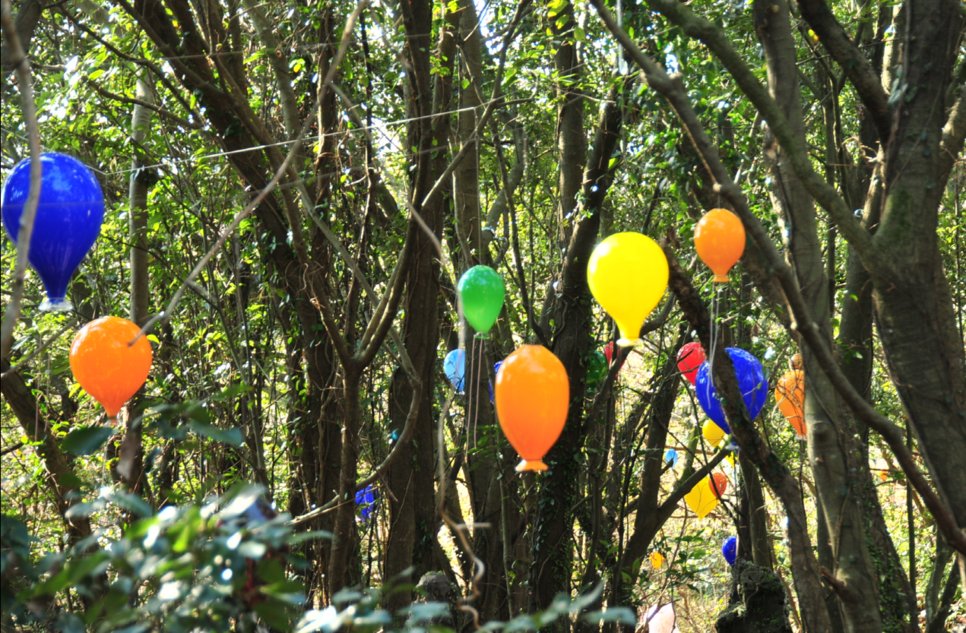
<point>627,342</point>
<point>531,464</point>
<point>482,335</point>
<point>721,278</point>
<point>112,420</point>
<point>56,305</point>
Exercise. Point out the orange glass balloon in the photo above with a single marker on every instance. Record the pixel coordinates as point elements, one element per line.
<point>790,396</point>
<point>657,559</point>
<point>719,239</point>
<point>718,484</point>
<point>106,365</point>
<point>532,399</point>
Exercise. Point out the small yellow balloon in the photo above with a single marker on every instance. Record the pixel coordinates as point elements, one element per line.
<point>701,499</point>
<point>657,559</point>
<point>712,433</point>
<point>627,274</point>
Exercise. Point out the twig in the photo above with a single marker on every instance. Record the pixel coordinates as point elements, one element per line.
<point>19,59</point>
<point>241,215</point>
<point>23,361</point>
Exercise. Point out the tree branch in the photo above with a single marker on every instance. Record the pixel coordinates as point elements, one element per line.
<point>719,44</point>
<point>18,59</point>
<point>855,65</point>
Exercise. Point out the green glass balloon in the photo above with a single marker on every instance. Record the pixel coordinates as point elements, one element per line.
<point>596,369</point>
<point>481,290</point>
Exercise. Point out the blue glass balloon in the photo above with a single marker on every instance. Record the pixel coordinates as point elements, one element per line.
<point>729,549</point>
<point>751,381</point>
<point>68,221</point>
<point>496,370</point>
<point>671,457</point>
<point>366,500</point>
<point>455,366</point>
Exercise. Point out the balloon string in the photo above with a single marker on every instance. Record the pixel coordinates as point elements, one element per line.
<point>478,373</point>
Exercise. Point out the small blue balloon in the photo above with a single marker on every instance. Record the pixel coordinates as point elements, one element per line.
<point>496,370</point>
<point>729,549</point>
<point>366,500</point>
<point>751,381</point>
<point>68,220</point>
<point>455,367</point>
<point>671,457</point>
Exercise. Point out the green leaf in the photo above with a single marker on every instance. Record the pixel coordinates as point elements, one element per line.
<point>613,614</point>
<point>86,440</point>
<point>232,437</point>
<point>132,503</point>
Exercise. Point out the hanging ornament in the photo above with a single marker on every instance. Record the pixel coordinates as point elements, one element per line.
<point>596,369</point>
<point>532,399</point>
<point>481,292</point>
<point>713,434</point>
<point>660,619</point>
<point>729,549</point>
<point>106,365</point>
<point>790,397</point>
<point>671,457</point>
<point>366,499</point>
<point>883,476</point>
<point>628,274</point>
<point>719,238</point>
<point>68,220</point>
<point>718,483</point>
<point>700,499</point>
<point>657,559</point>
<point>751,382</point>
<point>455,367</point>
<point>496,370</point>
<point>690,358</point>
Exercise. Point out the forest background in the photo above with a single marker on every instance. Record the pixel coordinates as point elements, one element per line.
<point>308,179</point>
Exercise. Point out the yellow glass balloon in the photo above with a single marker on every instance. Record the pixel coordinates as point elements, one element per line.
<point>712,433</point>
<point>701,500</point>
<point>657,559</point>
<point>627,274</point>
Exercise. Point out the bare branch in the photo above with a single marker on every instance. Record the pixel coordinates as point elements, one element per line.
<point>19,60</point>
<point>854,64</point>
<point>719,44</point>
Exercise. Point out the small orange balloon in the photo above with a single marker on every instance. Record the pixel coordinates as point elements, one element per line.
<point>532,399</point>
<point>718,484</point>
<point>790,396</point>
<point>884,476</point>
<point>657,559</point>
<point>719,239</point>
<point>106,365</point>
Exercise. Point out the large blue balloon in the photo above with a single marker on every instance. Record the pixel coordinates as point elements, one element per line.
<point>751,381</point>
<point>729,549</point>
<point>455,367</point>
<point>68,221</point>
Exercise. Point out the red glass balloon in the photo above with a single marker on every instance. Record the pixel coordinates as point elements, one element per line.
<point>690,358</point>
<point>532,399</point>
<point>106,365</point>
<point>718,484</point>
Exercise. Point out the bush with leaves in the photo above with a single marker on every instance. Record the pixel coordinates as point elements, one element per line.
<point>217,566</point>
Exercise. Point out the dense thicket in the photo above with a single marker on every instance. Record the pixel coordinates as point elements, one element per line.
<point>343,164</point>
